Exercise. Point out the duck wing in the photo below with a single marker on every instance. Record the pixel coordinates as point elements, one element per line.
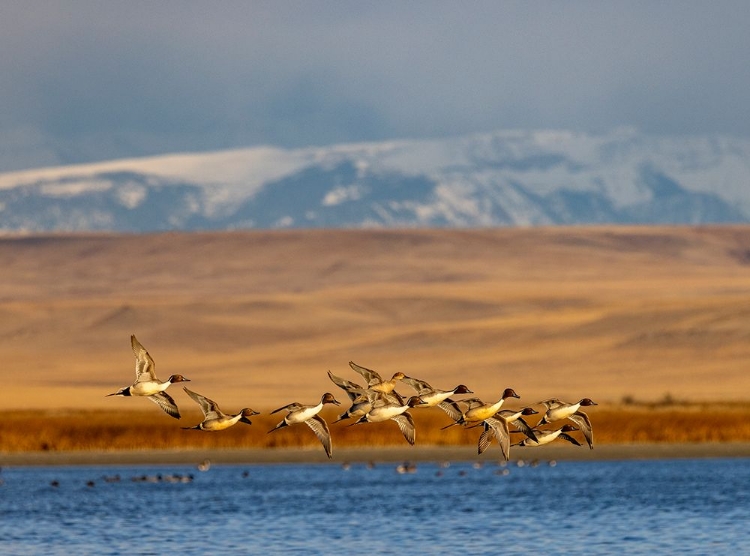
<point>394,397</point>
<point>420,386</point>
<point>369,375</point>
<point>165,401</point>
<point>584,424</point>
<point>145,369</point>
<point>500,428</point>
<point>209,407</point>
<point>566,436</point>
<point>406,426</point>
<point>485,439</point>
<point>320,428</point>
<point>525,428</point>
<point>451,408</point>
<point>352,389</point>
<point>290,407</point>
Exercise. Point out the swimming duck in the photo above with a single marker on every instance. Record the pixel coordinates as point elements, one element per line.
<point>558,410</point>
<point>146,384</point>
<point>434,397</point>
<point>213,418</point>
<point>406,467</point>
<point>545,437</point>
<point>308,414</point>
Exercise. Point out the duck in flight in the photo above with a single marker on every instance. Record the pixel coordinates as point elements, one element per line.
<point>558,410</point>
<point>214,419</point>
<point>308,414</point>
<point>146,384</point>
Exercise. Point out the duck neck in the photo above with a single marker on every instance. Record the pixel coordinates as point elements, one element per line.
<point>494,408</point>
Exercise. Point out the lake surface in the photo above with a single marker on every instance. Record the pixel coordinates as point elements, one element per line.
<point>635,507</point>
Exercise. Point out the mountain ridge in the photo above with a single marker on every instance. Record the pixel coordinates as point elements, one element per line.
<point>505,178</point>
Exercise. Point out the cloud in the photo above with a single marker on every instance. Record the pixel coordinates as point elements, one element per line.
<point>95,80</point>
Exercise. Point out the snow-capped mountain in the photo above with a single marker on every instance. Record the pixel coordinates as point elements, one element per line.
<point>498,179</point>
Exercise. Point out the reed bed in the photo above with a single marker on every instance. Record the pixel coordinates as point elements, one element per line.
<point>97,430</point>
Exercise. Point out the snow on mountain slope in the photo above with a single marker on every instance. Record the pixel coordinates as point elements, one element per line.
<point>493,179</point>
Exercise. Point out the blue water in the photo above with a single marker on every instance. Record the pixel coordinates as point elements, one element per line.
<point>633,507</point>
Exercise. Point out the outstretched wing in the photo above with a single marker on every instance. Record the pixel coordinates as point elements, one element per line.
<point>291,407</point>
<point>524,427</point>
<point>500,428</point>
<point>566,436</point>
<point>145,369</point>
<point>209,407</point>
<point>419,386</point>
<point>352,389</point>
<point>584,424</point>
<point>369,375</point>
<point>551,403</point>
<point>451,408</point>
<point>406,426</point>
<point>165,401</point>
<point>485,439</point>
<point>320,428</point>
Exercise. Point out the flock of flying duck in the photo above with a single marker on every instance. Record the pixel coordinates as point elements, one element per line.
<point>378,402</point>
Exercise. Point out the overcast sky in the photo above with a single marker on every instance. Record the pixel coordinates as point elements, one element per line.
<point>83,81</point>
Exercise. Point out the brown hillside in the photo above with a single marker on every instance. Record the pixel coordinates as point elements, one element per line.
<point>257,318</point>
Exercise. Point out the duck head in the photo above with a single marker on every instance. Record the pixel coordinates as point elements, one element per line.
<point>121,392</point>
<point>328,398</point>
<point>462,389</point>
<point>414,401</point>
<point>510,393</point>
<point>177,378</point>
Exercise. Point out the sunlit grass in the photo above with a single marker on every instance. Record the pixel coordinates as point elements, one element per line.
<point>35,431</point>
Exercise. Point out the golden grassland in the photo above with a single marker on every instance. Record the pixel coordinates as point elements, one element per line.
<point>97,430</point>
<point>256,318</point>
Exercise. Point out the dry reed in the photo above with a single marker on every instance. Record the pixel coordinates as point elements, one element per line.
<point>35,431</point>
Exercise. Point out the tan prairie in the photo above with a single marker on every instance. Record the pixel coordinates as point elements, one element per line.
<point>256,318</point>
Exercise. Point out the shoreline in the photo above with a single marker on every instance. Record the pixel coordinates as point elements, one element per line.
<point>391,454</point>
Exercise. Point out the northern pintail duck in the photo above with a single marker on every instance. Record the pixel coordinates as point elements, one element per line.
<point>214,419</point>
<point>398,412</point>
<point>352,389</point>
<point>308,414</point>
<point>434,397</point>
<point>494,428</point>
<point>545,437</point>
<point>146,384</point>
<point>361,403</point>
<point>558,410</point>
<point>477,411</point>
<point>374,381</point>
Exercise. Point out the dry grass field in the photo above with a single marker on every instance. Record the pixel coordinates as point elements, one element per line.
<point>106,430</point>
<point>637,314</point>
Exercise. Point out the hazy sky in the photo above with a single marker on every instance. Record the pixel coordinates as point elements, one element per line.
<point>82,81</point>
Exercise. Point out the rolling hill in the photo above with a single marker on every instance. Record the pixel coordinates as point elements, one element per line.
<point>257,317</point>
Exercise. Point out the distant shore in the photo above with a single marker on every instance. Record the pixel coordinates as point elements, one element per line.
<point>375,455</point>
